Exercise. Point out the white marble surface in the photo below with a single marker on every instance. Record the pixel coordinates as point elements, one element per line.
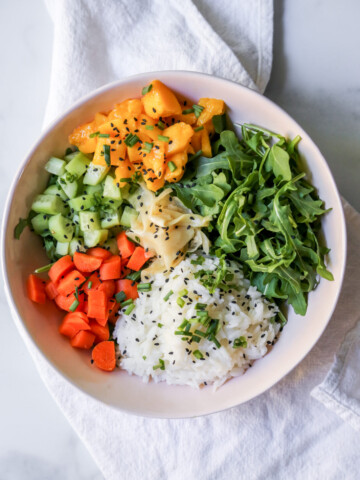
<point>316,78</point>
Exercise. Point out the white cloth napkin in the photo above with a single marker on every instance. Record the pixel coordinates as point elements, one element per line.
<point>284,433</point>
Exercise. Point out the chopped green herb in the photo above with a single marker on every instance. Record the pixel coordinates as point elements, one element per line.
<point>144,357</point>
<point>197,110</point>
<point>120,296</point>
<point>183,292</point>
<point>89,285</point>
<point>104,135</point>
<point>129,309</point>
<point>94,134</point>
<point>131,140</point>
<point>197,354</point>
<point>160,325</point>
<point>172,166</point>
<point>148,146</point>
<point>200,306</point>
<point>161,125</point>
<point>144,287</point>
<point>187,111</point>
<point>240,342</point>
<point>160,365</point>
<point>168,295</point>
<point>198,129</point>
<point>180,302</point>
<point>74,305</point>
<point>45,268</point>
<point>127,302</point>
<point>162,138</point>
<point>134,276</point>
<point>149,127</point>
<point>107,155</point>
<point>146,89</point>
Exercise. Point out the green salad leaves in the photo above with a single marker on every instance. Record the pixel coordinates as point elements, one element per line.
<point>265,214</point>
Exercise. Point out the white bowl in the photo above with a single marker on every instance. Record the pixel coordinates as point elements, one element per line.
<point>118,389</point>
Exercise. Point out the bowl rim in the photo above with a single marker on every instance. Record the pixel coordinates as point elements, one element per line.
<point>21,326</point>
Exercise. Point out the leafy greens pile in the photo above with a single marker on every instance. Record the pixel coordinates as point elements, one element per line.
<point>265,214</point>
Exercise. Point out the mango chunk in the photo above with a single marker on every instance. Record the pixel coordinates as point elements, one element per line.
<point>160,101</point>
<point>179,160</point>
<point>180,135</point>
<point>212,106</point>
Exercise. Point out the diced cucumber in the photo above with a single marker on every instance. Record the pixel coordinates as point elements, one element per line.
<point>56,166</point>
<point>127,216</point>
<point>70,186</point>
<point>95,237</point>
<point>83,202</point>
<point>56,190</point>
<point>50,204</point>
<point>111,205</point>
<point>89,221</point>
<point>76,245</point>
<point>62,248</point>
<point>111,220</point>
<point>71,155</point>
<point>78,164</point>
<point>111,190</point>
<point>95,174</point>
<point>61,228</point>
<point>91,189</point>
<point>132,197</point>
<point>40,223</point>
<point>111,245</point>
<point>76,223</point>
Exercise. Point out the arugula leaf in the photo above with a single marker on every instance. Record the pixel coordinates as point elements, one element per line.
<point>23,222</point>
<point>266,215</point>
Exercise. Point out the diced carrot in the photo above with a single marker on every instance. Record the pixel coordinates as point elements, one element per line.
<point>51,290</point>
<point>97,306</point>
<point>65,302</point>
<point>101,332</point>
<point>86,263</point>
<point>73,323</point>
<point>93,281</point>
<point>126,246</point>
<point>60,268</point>
<point>67,285</point>
<point>36,289</point>
<point>129,287</point>
<point>111,268</point>
<point>137,259</point>
<point>108,286</point>
<point>103,355</point>
<point>99,253</point>
<point>113,307</point>
<point>83,339</point>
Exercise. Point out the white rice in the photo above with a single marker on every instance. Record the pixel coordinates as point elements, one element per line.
<point>147,334</point>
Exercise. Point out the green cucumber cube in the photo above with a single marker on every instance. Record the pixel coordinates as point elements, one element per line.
<point>70,186</point>
<point>50,204</point>
<point>56,190</point>
<point>127,216</point>
<point>62,248</point>
<point>95,237</point>
<point>111,220</point>
<point>111,190</point>
<point>95,174</point>
<point>78,165</point>
<point>61,228</point>
<point>40,223</point>
<point>71,155</point>
<point>76,245</point>
<point>91,189</point>
<point>56,166</point>
<point>83,202</point>
<point>89,221</point>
